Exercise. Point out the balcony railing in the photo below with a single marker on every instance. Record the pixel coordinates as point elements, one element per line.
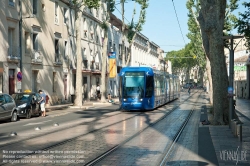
<point>13,54</point>
<point>37,57</point>
<point>58,60</point>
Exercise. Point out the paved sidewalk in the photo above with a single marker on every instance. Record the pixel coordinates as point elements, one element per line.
<point>86,105</point>
<point>228,148</point>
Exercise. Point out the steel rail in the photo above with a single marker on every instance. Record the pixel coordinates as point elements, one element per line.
<point>108,152</point>
<point>177,135</point>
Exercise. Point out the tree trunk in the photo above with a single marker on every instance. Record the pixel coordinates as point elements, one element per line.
<point>210,92</point>
<point>78,90</point>
<point>123,35</point>
<point>104,66</point>
<point>211,19</point>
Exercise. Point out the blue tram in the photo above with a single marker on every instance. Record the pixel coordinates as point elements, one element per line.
<point>142,88</point>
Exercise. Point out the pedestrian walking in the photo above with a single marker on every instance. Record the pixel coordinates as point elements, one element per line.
<point>98,92</point>
<point>189,89</point>
<point>42,102</point>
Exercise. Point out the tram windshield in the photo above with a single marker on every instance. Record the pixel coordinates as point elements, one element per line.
<point>134,84</point>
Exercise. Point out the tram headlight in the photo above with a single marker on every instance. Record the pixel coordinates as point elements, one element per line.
<point>124,99</point>
<point>141,99</point>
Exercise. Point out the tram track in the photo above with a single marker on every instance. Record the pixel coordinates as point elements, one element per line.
<point>113,149</point>
<point>93,131</point>
<point>68,140</point>
<point>105,154</point>
<point>169,149</point>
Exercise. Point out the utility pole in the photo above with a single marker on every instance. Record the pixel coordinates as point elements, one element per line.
<point>231,75</point>
<point>20,34</point>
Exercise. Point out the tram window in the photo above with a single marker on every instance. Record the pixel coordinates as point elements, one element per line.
<point>149,86</point>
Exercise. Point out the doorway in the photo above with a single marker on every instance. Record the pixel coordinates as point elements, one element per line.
<point>11,81</point>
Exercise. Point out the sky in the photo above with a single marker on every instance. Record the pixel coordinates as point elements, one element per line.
<point>161,25</point>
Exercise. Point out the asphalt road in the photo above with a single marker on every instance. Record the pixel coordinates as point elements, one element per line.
<point>63,118</point>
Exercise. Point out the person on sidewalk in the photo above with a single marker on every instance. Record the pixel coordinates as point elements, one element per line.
<point>110,98</point>
<point>42,102</point>
<point>98,92</point>
<point>189,90</point>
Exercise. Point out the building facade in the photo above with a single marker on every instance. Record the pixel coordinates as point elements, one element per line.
<point>39,41</point>
<point>9,46</point>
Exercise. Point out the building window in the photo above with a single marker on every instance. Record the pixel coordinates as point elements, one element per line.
<point>126,51</point>
<point>35,7</point>
<point>65,49</point>
<point>114,50</point>
<point>11,40</point>
<point>91,30</point>
<point>97,39</point>
<point>65,14</point>
<point>56,46</point>
<point>57,50</point>
<point>27,42</point>
<point>120,51</point>
<point>85,29</point>
<point>54,82</point>
<point>12,3</point>
<point>56,13</point>
<point>91,55</point>
<point>84,56</point>
<point>35,41</point>
<point>97,80</point>
<point>85,64</point>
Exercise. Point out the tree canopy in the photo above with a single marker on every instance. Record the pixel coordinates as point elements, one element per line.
<point>243,24</point>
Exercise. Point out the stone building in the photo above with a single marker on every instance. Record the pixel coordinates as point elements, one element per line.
<point>38,39</point>
<point>9,46</point>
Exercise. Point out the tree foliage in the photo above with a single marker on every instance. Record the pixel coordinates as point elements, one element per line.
<point>243,24</point>
<point>134,27</point>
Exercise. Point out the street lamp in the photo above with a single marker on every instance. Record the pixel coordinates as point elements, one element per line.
<point>231,74</point>
<point>20,36</point>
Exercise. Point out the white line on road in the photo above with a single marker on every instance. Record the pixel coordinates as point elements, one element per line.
<point>30,124</point>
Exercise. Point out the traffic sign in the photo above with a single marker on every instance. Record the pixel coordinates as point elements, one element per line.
<point>19,76</point>
<point>19,85</point>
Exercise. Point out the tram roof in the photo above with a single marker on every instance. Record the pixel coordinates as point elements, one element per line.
<point>150,70</point>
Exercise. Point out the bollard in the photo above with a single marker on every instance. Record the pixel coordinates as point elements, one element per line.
<point>235,128</point>
<point>239,132</point>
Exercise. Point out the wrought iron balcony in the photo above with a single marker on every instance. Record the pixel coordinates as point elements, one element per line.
<point>37,57</point>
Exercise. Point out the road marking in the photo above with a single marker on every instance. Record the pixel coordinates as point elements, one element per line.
<point>30,124</point>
